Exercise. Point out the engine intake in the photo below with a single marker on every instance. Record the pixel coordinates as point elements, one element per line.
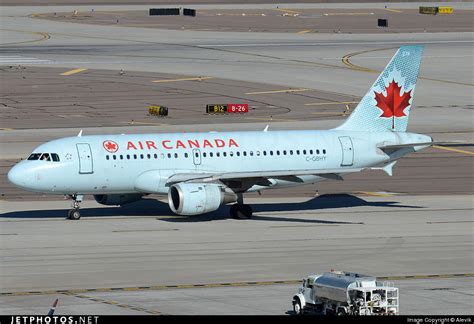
<point>198,198</point>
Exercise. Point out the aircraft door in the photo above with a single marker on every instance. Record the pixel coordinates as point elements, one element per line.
<point>347,151</point>
<point>85,158</point>
<point>197,157</point>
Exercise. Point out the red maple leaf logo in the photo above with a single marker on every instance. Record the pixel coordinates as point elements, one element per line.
<point>394,104</point>
<point>110,146</point>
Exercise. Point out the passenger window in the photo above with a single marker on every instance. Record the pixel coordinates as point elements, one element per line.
<point>141,156</point>
<point>203,154</point>
<point>291,152</point>
<point>251,153</point>
<point>224,154</point>
<point>128,156</point>
<point>169,155</point>
<point>271,152</point>
<point>106,157</point>
<point>298,152</point>
<point>186,155</point>
<point>304,152</point>
<point>121,157</point>
<point>258,153</point>
<point>176,155</point>
<point>324,151</point>
<point>211,154</point>
<point>231,154</point>
<point>134,156</point>
<point>284,152</point>
<point>218,154</point>
<point>310,151</point>
<point>278,152</point>
<point>265,153</point>
<point>34,156</point>
<point>155,156</point>
<point>317,151</point>
<point>148,156</point>
<point>238,153</point>
<point>55,157</point>
<point>115,157</point>
<point>245,153</point>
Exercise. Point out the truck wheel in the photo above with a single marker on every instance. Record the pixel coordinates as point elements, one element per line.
<point>297,307</point>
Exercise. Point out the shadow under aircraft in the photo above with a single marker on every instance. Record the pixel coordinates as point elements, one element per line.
<point>156,208</point>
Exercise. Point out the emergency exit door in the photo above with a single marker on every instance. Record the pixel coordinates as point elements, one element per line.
<point>85,158</point>
<point>347,151</point>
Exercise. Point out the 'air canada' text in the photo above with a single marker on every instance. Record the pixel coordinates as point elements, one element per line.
<point>181,144</point>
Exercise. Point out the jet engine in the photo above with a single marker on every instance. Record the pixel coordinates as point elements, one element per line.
<point>198,198</point>
<point>117,199</point>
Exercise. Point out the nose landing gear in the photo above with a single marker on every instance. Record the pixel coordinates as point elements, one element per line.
<point>74,213</point>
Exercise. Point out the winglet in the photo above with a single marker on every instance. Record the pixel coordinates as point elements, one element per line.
<point>388,169</point>
<point>80,134</point>
<point>53,308</point>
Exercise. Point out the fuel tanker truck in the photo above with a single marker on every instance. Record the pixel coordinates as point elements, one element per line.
<point>345,293</point>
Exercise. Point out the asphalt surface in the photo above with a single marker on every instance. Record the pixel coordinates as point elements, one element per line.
<point>277,20</point>
<point>419,222</point>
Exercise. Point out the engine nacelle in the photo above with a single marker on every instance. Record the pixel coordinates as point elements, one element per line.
<point>117,199</point>
<point>198,198</point>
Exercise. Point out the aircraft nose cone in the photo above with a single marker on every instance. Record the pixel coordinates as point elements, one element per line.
<point>17,176</point>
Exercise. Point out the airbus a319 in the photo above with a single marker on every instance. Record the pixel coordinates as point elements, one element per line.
<point>200,172</point>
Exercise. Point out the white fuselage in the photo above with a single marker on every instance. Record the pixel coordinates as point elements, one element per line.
<point>94,165</point>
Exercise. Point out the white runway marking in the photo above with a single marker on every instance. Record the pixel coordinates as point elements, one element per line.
<point>13,60</point>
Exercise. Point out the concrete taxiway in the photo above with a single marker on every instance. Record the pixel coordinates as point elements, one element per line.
<point>60,77</point>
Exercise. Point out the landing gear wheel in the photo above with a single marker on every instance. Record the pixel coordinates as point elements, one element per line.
<point>74,214</point>
<point>240,211</point>
<point>297,307</point>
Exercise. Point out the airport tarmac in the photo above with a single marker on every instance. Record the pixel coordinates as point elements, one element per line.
<point>122,260</point>
<point>286,240</point>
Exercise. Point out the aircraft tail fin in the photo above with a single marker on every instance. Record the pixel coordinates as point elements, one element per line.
<point>386,106</point>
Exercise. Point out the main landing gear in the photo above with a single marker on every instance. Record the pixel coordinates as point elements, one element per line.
<point>240,210</point>
<point>74,213</point>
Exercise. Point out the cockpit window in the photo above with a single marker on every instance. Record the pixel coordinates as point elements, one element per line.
<point>45,157</point>
<point>34,156</point>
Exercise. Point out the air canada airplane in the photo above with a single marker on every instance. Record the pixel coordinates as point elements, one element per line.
<point>200,172</point>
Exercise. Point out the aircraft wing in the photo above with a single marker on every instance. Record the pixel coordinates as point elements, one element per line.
<point>334,174</point>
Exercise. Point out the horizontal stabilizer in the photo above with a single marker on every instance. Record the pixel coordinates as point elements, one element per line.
<point>400,146</point>
<point>388,169</point>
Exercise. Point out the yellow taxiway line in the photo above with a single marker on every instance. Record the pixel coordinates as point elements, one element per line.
<point>213,285</point>
<point>287,10</point>
<point>277,91</point>
<point>182,79</point>
<point>71,72</point>
<point>453,149</point>
<point>304,32</point>
<point>393,10</point>
<point>349,14</point>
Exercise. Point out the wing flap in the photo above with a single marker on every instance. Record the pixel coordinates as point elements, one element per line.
<point>289,175</point>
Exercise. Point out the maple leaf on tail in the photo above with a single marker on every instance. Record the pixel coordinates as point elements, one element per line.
<point>393,104</point>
